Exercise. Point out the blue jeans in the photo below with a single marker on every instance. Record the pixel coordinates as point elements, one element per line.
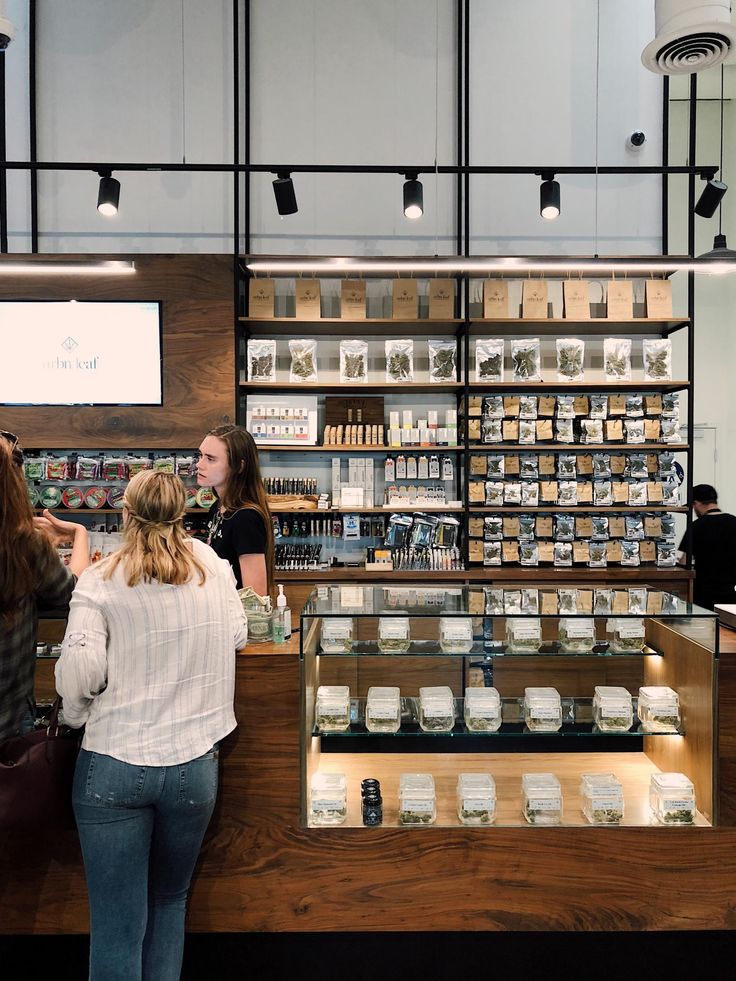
<point>141,829</point>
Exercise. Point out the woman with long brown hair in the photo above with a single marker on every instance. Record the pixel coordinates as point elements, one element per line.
<point>31,574</point>
<point>148,666</point>
<point>240,521</point>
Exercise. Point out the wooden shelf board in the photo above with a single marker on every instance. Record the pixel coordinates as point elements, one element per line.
<point>595,325</point>
<point>329,387</point>
<point>578,509</point>
<point>342,448</point>
<point>337,327</point>
<point>356,574</point>
<point>578,574</point>
<point>581,386</point>
<point>427,509</point>
<point>577,447</point>
<point>91,511</point>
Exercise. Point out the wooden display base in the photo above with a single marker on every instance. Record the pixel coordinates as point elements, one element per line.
<point>292,502</point>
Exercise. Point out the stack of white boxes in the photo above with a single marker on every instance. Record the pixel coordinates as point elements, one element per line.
<point>360,487</point>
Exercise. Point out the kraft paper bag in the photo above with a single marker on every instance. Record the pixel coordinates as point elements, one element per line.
<point>583,527</point>
<point>547,554</point>
<point>475,405</point>
<point>476,602</point>
<point>620,299</point>
<point>510,551</point>
<point>495,299</point>
<point>475,527</point>
<point>544,526</point>
<point>476,492</point>
<point>620,492</point>
<point>544,430</point>
<point>577,303</point>
<point>534,299</point>
<point>585,463</point>
<point>653,405</point>
<point>585,600</point>
<point>548,491</point>
<point>475,550</point>
<point>653,527</point>
<point>261,298</point>
<point>580,552</point>
<point>614,430</point>
<point>659,299</point>
<point>585,492</point>
<point>441,299</point>
<point>647,551</point>
<point>405,300</point>
<point>652,463</point>
<point>308,305</point>
<point>620,596</point>
<point>510,527</point>
<point>546,464</point>
<point>511,406</point>
<point>613,551</point>
<point>474,430</point>
<point>616,526</point>
<point>618,464</point>
<point>617,405</point>
<point>654,492</point>
<point>652,429</point>
<point>352,299</point>
<point>512,465</point>
<point>478,466</point>
<point>581,405</point>
<point>546,405</point>
<point>654,602</point>
<point>510,430</point>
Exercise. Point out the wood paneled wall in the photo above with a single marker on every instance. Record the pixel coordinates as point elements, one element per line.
<point>198,353</point>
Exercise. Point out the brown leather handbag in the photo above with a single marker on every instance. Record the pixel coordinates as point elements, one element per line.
<point>36,776</point>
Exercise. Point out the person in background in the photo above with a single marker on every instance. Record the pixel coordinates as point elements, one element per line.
<point>31,574</point>
<point>713,549</point>
<point>148,665</point>
<point>240,527</point>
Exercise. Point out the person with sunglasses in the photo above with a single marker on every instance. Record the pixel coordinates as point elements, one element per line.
<point>31,575</point>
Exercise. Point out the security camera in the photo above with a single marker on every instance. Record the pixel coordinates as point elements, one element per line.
<point>7,31</point>
<point>636,140</point>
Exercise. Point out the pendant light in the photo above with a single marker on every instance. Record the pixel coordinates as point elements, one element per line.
<point>108,196</point>
<point>283,189</point>
<point>549,196</point>
<point>714,190</point>
<point>721,258</point>
<point>413,196</point>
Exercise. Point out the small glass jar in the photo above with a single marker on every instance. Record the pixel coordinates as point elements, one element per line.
<point>482,710</point>
<point>394,636</point>
<point>613,710</point>
<point>383,710</point>
<point>328,799</point>
<point>542,709</point>
<point>659,709</point>
<point>627,635</point>
<point>672,798</point>
<point>456,635</point>
<point>332,713</point>
<point>577,634</point>
<point>337,635</point>
<point>372,810</point>
<point>476,798</point>
<point>523,635</point>
<point>542,796</point>
<point>436,709</point>
<point>603,798</point>
<point>417,801</point>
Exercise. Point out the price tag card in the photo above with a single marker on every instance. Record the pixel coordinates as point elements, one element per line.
<point>659,299</point>
<point>620,299</point>
<point>583,527</point>
<point>647,551</point>
<point>585,601</point>
<point>352,299</point>
<point>475,405</point>
<point>652,429</point>
<point>577,304</point>
<point>618,463</point>
<point>476,492</point>
<point>475,550</point>
<point>620,596</point>
<point>585,492</point>
<point>654,601</point>
<point>441,299</point>
<point>544,430</point>
<point>581,405</point>
<point>534,299</point>
<point>580,552</point>
<point>652,527</point>
<point>652,463</point>
<point>474,430</point>
<point>616,526</point>
<point>478,466</point>
<point>495,299</point>
<point>475,527</point>
<point>261,298</point>
<point>308,299</point>
<point>405,299</point>
<point>620,492</point>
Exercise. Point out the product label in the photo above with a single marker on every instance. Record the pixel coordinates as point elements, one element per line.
<point>675,804</point>
<point>663,709</point>
<point>477,804</point>
<point>456,631</point>
<point>544,804</point>
<point>417,806</point>
<point>437,711</point>
<point>523,631</point>
<point>607,803</point>
<point>483,711</point>
<point>630,629</point>
<point>327,804</point>
<point>381,711</point>
<point>544,714</point>
<point>388,630</point>
<point>578,631</point>
<point>615,710</point>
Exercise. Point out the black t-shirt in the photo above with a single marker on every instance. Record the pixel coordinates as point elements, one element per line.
<point>714,554</point>
<point>237,533</point>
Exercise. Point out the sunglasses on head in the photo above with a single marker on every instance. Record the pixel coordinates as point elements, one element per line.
<point>16,451</point>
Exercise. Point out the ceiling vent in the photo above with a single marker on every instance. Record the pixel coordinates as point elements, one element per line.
<point>691,35</point>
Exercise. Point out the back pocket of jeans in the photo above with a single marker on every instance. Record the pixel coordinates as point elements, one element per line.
<point>112,783</point>
<point>198,781</point>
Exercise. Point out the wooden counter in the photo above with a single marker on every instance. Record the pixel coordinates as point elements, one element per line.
<point>261,872</point>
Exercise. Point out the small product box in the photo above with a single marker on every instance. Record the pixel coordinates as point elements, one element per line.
<point>332,713</point>
<point>476,798</point>
<point>542,797</point>
<point>394,420</point>
<point>672,798</point>
<point>602,798</point>
<point>432,419</point>
<point>417,800</point>
<point>407,419</point>
<point>328,799</point>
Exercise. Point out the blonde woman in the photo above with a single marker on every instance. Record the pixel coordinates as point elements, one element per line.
<point>148,665</point>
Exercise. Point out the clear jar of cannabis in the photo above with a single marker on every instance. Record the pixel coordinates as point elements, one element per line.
<point>576,634</point>
<point>542,798</point>
<point>476,798</point>
<point>456,635</point>
<point>332,711</point>
<point>627,635</point>
<point>383,710</point>
<point>328,799</point>
<point>482,710</point>
<point>417,800</point>
<point>337,635</point>
<point>672,798</point>
<point>613,709</point>
<point>659,709</point>
<point>602,796</point>
<point>523,635</point>
<point>436,709</point>
<point>542,709</point>
<point>394,635</point>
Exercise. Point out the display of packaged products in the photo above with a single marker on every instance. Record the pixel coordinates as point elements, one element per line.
<point>670,431</point>
<point>528,466</point>
<point>659,709</point>
<point>261,360</point>
<point>50,497</point>
<point>328,799</point>
<point>564,527</point>
<point>542,798</point>
<point>491,553</point>
<point>600,526</point>
<point>332,711</point>
<point>337,635</point>
<point>136,464</point>
<point>613,709</point>
<point>442,360</point>
<point>493,528</point>
<point>399,361</point>
<point>565,406</point>
<point>567,466</point>
<point>456,635</point>
<point>564,430</point>
<point>95,497</point>
<point>206,497</point>
<point>671,493</point>
<point>570,359</point>
<point>353,362</point>
<point>638,494</point>
<point>634,527</point>
<point>495,493</point>
<point>617,359</point>
<point>671,405</point>
<point>57,468</point>
<point>436,709</point>
<point>72,497</point>
<point>602,797</point>
<point>417,800</point>
<point>512,492</point>
<point>526,360</point>
<point>34,468</point>
<point>576,634</point>
<point>523,634</point>
<point>527,431</point>
<point>114,468</point>
<point>567,493</point>
<point>591,430</point>
<point>303,367</point>
<point>86,468</point>
<point>666,555</point>
<point>567,601</point>
<point>476,798</point>
<point>657,359</point>
<point>185,466</point>
<point>634,430</point>
<point>672,798</point>
<point>602,493</point>
<point>191,497</point>
<point>528,553</point>
<point>489,360</point>
<point>630,553</point>
<point>637,466</point>
<point>383,709</point>
<point>597,555</point>
<point>394,635</point>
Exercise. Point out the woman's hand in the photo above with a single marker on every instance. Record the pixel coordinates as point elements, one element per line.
<point>59,532</point>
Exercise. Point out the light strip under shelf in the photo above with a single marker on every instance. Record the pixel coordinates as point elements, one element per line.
<point>108,267</point>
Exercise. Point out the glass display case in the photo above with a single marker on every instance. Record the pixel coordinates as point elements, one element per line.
<point>575,683</point>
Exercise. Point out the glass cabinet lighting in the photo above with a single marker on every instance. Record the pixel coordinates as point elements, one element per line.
<point>476,798</point>
<point>613,709</point>
<point>542,709</point>
<point>659,709</point>
<point>417,800</point>
<point>393,635</point>
<point>332,713</point>
<point>672,798</point>
<point>436,709</point>
<point>542,798</point>
<point>577,634</point>
<point>603,798</point>
<point>482,710</point>
<point>456,635</point>
<point>337,635</point>
<point>523,635</point>
<point>383,710</point>
<point>328,799</point>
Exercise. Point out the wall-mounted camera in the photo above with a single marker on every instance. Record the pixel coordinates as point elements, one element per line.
<point>636,140</point>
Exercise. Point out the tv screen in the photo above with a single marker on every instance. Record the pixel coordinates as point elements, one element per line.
<point>80,353</point>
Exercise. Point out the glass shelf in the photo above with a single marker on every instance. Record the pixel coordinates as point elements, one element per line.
<point>431,648</point>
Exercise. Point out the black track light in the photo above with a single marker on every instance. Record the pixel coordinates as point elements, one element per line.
<point>710,198</point>
<point>108,196</point>
<point>549,196</point>
<point>283,189</point>
<point>413,196</point>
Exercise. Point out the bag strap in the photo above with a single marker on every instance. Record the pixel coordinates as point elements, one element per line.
<point>52,728</point>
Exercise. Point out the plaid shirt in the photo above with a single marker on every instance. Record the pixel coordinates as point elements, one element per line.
<point>55,583</point>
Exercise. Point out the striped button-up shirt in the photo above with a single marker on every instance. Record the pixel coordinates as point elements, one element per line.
<point>150,669</point>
